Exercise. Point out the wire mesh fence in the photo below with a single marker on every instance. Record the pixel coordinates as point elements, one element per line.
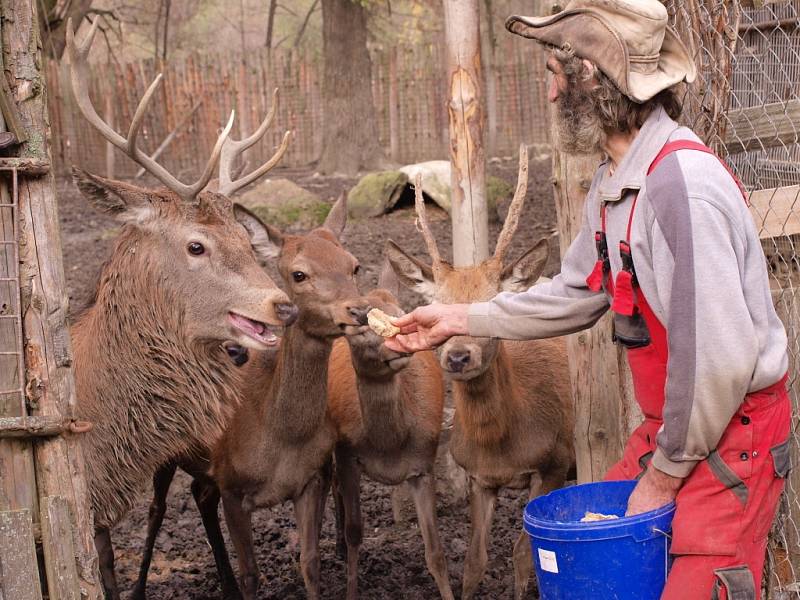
<point>746,105</point>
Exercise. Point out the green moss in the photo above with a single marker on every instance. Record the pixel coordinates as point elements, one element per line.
<point>289,214</point>
<point>376,193</point>
<point>497,190</point>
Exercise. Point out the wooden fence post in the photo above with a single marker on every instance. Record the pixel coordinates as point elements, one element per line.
<point>467,155</point>
<point>49,385</point>
<point>605,410</point>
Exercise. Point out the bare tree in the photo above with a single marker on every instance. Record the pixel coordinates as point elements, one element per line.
<point>350,134</point>
<point>53,16</point>
<point>270,23</point>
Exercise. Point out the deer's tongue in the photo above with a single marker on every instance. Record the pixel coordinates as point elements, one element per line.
<point>255,329</point>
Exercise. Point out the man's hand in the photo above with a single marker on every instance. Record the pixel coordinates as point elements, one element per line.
<point>427,327</point>
<point>654,490</point>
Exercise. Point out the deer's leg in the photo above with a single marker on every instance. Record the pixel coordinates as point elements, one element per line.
<point>309,523</point>
<point>105,552</point>
<point>349,478</point>
<point>423,492</point>
<point>481,508</point>
<point>338,513</point>
<point>241,532</point>
<point>206,496</point>
<point>523,561</point>
<point>155,516</point>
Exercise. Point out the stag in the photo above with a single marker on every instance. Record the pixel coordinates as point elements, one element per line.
<point>387,409</point>
<point>513,407</point>
<point>183,282</point>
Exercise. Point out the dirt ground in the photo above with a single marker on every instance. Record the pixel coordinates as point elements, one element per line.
<point>392,561</point>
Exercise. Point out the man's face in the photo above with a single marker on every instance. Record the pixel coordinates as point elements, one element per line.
<point>579,128</point>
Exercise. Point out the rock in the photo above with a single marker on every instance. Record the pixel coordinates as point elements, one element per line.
<point>285,204</point>
<point>376,194</point>
<point>435,180</point>
<point>498,197</point>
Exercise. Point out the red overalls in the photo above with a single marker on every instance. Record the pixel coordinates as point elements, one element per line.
<point>726,506</point>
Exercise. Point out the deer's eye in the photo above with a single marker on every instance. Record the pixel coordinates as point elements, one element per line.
<point>195,248</point>
<point>299,276</point>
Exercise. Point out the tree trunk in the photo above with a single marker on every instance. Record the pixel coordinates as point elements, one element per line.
<point>270,23</point>
<point>466,115</point>
<point>489,48</point>
<point>53,15</point>
<point>350,135</point>
<point>68,540</point>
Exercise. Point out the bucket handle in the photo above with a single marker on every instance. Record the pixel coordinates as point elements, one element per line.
<point>664,533</point>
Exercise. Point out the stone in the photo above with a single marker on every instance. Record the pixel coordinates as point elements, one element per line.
<point>285,204</point>
<point>435,180</point>
<point>376,194</point>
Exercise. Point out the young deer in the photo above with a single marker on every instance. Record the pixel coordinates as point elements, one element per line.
<point>184,278</point>
<point>387,408</point>
<point>513,421</point>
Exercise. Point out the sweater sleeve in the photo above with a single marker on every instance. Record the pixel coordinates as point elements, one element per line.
<point>699,248</point>
<point>552,308</point>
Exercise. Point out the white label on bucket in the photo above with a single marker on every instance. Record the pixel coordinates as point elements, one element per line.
<point>547,560</point>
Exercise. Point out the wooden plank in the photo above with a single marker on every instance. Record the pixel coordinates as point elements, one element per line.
<point>763,126</point>
<point>59,552</point>
<point>19,573</point>
<point>59,461</point>
<point>776,211</point>
<point>27,427</point>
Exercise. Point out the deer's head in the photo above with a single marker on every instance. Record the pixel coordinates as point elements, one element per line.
<point>196,243</point>
<point>464,357</point>
<point>321,276</point>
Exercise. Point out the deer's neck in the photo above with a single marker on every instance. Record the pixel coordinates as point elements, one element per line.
<point>150,392</point>
<point>485,404</point>
<point>382,410</point>
<point>300,386</point>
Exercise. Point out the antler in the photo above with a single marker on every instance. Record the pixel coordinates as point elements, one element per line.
<point>79,71</point>
<point>422,223</point>
<point>515,208</point>
<point>231,149</point>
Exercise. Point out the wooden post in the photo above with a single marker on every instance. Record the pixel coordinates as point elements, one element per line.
<point>50,387</point>
<point>394,105</point>
<point>605,411</point>
<point>465,107</point>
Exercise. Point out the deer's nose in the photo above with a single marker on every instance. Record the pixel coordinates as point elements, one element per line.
<point>358,313</point>
<point>287,313</point>
<point>237,353</point>
<point>458,360</point>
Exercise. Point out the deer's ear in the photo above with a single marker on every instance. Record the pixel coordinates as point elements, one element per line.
<point>388,279</point>
<point>337,217</point>
<point>265,239</point>
<point>413,274</point>
<point>121,200</point>
<point>523,273</point>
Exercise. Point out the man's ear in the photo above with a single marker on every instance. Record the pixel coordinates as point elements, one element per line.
<point>523,273</point>
<point>337,217</point>
<point>413,274</point>
<point>265,239</point>
<point>126,202</point>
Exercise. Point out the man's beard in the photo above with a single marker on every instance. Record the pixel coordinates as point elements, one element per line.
<point>579,128</point>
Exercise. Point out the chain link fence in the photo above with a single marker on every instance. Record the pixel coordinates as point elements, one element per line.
<point>746,105</point>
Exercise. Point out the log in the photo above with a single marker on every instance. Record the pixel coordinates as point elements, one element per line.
<point>29,166</point>
<point>469,212</point>
<point>59,460</point>
<point>59,553</point>
<point>30,427</point>
<point>763,126</point>
<point>19,576</point>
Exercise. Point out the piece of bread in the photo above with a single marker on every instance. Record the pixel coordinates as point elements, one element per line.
<point>592,516</point>
<point>381,323</point>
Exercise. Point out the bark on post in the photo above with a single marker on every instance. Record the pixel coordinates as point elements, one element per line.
<point>50,387</point>
<point>466,115</point>
<point>605,410</point>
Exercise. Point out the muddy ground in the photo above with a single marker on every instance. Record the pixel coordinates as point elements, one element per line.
<point>392,558</point>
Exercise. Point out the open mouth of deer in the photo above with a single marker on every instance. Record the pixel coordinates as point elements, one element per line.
<point>261,332</point>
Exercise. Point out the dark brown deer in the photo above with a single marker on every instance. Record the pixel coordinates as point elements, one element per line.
<point>514,421</point>
<point>183,280</point>
<point>387,408</point>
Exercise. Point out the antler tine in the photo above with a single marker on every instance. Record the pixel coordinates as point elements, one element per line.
<point>233,149</point>
<point>515,208</point>
<point>422,222</point>
<point>79,68</point>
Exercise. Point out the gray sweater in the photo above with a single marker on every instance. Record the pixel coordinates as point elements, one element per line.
<point>700,265</point>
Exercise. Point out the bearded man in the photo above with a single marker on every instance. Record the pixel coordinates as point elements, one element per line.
<point>669,246</point>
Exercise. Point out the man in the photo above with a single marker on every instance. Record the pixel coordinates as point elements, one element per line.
<point>669,246</point>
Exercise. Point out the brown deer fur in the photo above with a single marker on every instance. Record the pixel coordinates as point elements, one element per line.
<point>387,409</point>
<point>149,369</point>
<point>514,417</point>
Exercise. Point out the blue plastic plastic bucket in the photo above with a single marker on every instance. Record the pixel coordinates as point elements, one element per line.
<point>621,559</point>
